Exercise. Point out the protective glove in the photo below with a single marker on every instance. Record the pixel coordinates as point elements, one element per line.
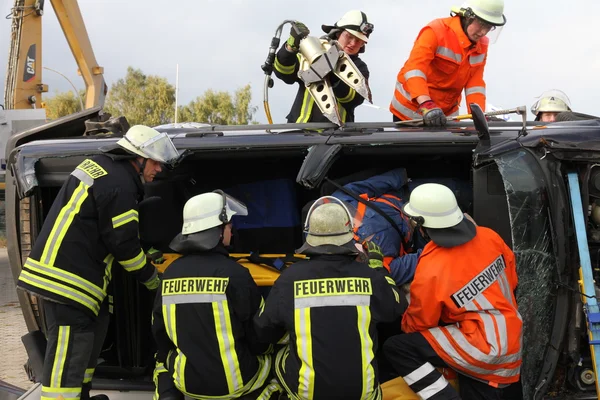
<point>432,114</point>
<point>298,32</point>
<point>153,283</point>
<point>375,255</point>
<point>155,256</point>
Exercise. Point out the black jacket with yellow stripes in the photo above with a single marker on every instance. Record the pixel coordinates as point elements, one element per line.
<point>92,222</point>
<point>329,306</point>
<point>202,325</point>
<point>304,108</point>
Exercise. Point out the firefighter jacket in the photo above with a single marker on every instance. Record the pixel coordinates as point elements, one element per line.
<point>387,192</point>
<point>462,302</point>
<point>304,108</point>
<point>92,222</point>
<point>442,63</point>
<point>202,325</point>
<point>329,308</point>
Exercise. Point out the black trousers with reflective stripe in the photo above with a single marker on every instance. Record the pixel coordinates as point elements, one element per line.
<point>75,340</point>
<point>413,358</point>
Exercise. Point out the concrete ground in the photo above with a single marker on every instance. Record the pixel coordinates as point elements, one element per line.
<point>12,327</point>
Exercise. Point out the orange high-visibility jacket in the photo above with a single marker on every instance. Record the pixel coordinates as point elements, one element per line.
<point>442,63</point>
<point>462,302</point>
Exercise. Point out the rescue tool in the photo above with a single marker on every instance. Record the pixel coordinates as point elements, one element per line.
<point>521,110</point>
<point>319,57</point>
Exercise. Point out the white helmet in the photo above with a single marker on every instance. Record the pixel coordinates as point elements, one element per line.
<point>551,101</point>
<point>209,210</point>
<point>357,23</point>
<point>149,143</point>
<point>490,11</point>
<point>436,206</point>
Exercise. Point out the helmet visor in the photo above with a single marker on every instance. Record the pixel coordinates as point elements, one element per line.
<point>234,206</point>
<point>160,148</point>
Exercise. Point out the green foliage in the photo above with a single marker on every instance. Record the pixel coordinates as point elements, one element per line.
<point>220,108</point>
<point>62,104</point>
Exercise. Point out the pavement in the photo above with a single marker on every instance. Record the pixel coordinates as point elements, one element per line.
<point>12,327</point>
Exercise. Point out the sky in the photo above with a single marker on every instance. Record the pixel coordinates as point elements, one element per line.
<point>221,45</point>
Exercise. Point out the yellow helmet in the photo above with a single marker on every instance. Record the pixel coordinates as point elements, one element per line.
<point>551,101</point>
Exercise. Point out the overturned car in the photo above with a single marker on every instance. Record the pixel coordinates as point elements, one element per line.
<point>536,184</point>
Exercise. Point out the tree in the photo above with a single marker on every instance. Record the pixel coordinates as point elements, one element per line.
<point>142,99</point>
<point>220,108</point>
<point>62,104</point>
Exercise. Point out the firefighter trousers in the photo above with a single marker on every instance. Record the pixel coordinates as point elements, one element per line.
<point>416,362</point>
<point>74,343</point>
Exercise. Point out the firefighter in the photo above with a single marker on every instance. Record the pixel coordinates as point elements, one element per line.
<point>326,310</point>
<point>550,104</point>
<point>449,56</point>
<point>462,312</point>
<point>386,192</point>
<point>352,32</point>
<point>91,227</point>
<point>202,318</point>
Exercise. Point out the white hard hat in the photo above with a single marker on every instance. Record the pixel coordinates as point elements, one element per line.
<point>330,223</point>
<point>434,207</point>
<point>357,23</point>
<point>551,101</point>
<point>490,11</point>
<point>208,210</point>
<point>149,143</point>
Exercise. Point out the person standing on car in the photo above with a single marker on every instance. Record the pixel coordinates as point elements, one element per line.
<point>352,33</point>
<point>202,318</point>
<point>326,310</point>
<point>449,56</point>
<point>462,312</point>
<point>91,226</point>
<point>550,104</point>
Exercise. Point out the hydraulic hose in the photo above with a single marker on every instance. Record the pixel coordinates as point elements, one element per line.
<point>267,67</point>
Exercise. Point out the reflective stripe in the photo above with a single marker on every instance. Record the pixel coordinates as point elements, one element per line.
<point>60,355</point>
<point>49,393</point>
<point>390,280</point>
<point>59,289</point>
<point>170,321</point>
<point>403,92</point>
<point>476,59</point>
<point>306,376</point>
<point>305,110</point>
<point>135,263</point>
<point>66,277</point>
<point>434,214</point>
<point>284,69</point>
<point>488,325</point>
<point>108,261</point>
<point>122,219</point>
<point>499,322</point>
<point>418,374</point>
<point>179,370</point>
<point>446,52</point>
<point>433,389</point>
<point>407,112</point>
<point>83,177</point>
<point>366,347</point>
<point>63,222</point>
<point>475,89</point>
<point>349,97</point>
<point>414,73</point>
<point>332,301</point>
<point>226,341</point>
<point>193,298</point>
<point>89,374</point>
<point>476,354</point>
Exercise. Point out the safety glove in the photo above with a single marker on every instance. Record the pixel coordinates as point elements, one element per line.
<point>432,114</point>
<point>153,283</point>
<point>375,254</point>
<point>155,256</point>
<point>298,32</point>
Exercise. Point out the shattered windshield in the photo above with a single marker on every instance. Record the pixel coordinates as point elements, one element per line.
<point>536,263</point>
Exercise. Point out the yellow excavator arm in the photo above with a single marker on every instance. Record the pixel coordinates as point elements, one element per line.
<point>24,85</point>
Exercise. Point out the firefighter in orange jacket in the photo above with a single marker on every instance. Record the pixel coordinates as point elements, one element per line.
<point>448,56</point>
<point>462,312</point>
